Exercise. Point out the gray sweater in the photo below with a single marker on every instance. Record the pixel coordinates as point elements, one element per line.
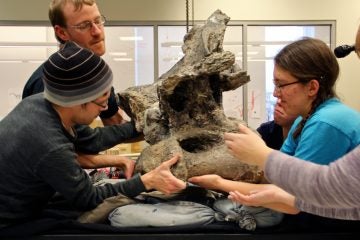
<point>37,159</point>
<point>327,190</point>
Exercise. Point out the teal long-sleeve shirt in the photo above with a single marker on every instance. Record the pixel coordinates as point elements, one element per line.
<point>332,131</point>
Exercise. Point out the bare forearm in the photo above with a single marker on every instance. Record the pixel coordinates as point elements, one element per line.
<point>242,187</point>
<point>100,160</point>
<point>281,207</point>
<point>285,204</point>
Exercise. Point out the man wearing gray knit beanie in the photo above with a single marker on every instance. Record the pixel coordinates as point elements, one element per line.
<point>74,76</point>
<point>38,140</point>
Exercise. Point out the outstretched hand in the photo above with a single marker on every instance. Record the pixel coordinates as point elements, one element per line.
<point>161,178</point>
<point>247,146</point>
<point>270,196</point>
<point>258,198</point>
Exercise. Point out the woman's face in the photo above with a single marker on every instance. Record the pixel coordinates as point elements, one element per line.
<point>292,95</point>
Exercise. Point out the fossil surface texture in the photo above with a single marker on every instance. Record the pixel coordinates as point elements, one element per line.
<point>182,113</point>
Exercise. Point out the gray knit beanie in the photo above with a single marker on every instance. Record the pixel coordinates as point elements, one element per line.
<point>74,75</point>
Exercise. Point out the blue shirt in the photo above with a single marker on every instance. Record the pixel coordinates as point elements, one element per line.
<point>332,131</point>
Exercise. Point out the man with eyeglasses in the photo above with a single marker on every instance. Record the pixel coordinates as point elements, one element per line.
<point>80,21</point>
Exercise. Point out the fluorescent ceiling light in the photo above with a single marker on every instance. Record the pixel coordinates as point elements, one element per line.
<point>28,44</point>
<point>123,59</point>
<point>11,61</point>
<point>257,60</point>
<point>249,53</point>
<point>171,59</point>
<point>118,54</point>
<point>171,44</point>
<point>250,59</point>
<point>21,61</point>
<point>134,38</point>
<point>36,61</point>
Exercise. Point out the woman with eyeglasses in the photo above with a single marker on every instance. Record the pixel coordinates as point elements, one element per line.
<point>327,190</point>
<point>305,74</point>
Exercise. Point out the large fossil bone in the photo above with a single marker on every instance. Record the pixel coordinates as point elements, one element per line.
<point>182,111</point>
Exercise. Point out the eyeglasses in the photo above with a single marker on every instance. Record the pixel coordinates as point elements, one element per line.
<point>87,25</point>
<point>102,105</point>
<point>278,87</point>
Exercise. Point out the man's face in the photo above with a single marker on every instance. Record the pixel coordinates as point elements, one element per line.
<point>86,113</point>
<point>92,38</point>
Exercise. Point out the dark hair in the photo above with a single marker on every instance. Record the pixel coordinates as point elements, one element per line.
<point>308,59</point>
<point>56,15</point>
